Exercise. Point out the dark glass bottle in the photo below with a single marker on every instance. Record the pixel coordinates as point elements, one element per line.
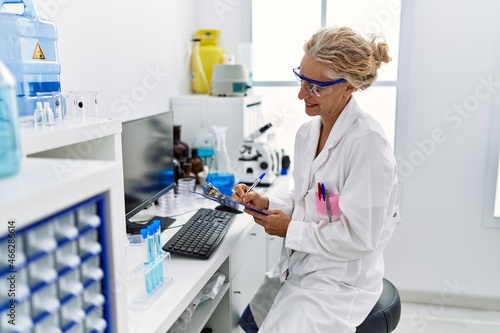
<point>196,163</point>
<point>181,149</point>
<point>188,172</point>
<point>178,172</point>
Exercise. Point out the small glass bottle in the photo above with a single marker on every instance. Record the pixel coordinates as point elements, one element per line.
<point>48,115</point>
<point>181,149</point>
<point>196,163</point>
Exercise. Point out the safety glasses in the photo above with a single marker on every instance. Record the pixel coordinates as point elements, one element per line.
<point>316,88</point>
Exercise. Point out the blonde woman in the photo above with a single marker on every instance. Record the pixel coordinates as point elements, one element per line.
<point>342,212</point>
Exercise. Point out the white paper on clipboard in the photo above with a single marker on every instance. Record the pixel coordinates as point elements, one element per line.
<point>230,203</point>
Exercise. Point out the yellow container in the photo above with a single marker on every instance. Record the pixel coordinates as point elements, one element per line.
<point>199,83</point>
<point>204,56</point>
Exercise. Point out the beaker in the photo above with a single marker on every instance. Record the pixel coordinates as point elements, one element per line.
<point>220,173</point>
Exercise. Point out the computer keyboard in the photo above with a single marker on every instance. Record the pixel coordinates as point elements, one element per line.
<point>201,235</point>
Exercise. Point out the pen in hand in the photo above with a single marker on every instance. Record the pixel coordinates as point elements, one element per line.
<point>256,182</point>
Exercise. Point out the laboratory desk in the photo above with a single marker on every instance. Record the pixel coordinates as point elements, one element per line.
<point>243,256</point>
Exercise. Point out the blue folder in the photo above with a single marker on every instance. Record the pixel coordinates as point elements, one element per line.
<point>230,203</point>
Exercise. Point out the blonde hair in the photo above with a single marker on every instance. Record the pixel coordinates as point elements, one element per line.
<point>348,54</point>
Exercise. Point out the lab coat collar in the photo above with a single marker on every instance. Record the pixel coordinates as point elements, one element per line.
<point>346,118</point>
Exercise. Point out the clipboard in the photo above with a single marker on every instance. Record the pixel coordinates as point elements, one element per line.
<point>230,203</point>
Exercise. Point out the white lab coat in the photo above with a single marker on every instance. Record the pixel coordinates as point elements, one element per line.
<point>335,269</point>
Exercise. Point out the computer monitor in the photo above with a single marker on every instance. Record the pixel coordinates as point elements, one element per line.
<point>148,162</point>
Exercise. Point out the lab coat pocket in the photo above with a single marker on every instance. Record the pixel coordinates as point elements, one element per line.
<point>322,206</point>
<point>392,218</point>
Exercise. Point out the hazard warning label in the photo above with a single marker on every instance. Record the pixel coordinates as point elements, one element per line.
<point>38,54</point>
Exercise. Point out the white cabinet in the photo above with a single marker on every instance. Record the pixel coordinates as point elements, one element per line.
<point>247,266</point>
<point>76,180</point>
<point>241,116</point>
<point>274,246</point>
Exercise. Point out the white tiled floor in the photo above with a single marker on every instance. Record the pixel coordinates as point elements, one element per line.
<point>428,318</point>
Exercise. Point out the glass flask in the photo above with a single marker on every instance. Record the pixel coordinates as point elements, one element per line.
<point>220,173</point>
<point>204,142</point>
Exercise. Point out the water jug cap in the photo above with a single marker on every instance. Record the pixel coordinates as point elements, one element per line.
<point>208,36</point>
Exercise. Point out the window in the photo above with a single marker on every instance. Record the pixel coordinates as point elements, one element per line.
<point>279,30</point>
<point>491,215</point>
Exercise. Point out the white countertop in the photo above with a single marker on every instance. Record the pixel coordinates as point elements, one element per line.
<point>190,275</point>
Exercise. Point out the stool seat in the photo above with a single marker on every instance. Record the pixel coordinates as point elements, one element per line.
<point>385,315</point>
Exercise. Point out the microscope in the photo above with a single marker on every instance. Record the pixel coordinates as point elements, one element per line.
<point>257,157</point>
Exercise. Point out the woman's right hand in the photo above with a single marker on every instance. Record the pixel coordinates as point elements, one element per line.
<point>251,198</point>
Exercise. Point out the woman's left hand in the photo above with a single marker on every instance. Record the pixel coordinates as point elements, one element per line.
<point>275,224</point>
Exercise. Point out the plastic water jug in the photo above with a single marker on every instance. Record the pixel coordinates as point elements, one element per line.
<point>199,83</point>
<point>10,146</point>
<point>28,47</point>
<point>209,54</point>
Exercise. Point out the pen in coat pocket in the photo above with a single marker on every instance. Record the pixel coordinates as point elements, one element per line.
<point>328,208</point>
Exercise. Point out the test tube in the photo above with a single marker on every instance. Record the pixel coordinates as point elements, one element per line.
<point>23,319</point>
<point>95,321</point>
<point>89,244</point>
<point>18,284</point>
<point>87,217</point>
<point>42,271</point>
<point>45,300</point>
<point>92,296</point>
<point>72,312</point>
<point>91,270</point>
<point>152,255</point>
<point>70,285</point>
<point>40,239</point>
<point>65,228</point>
<point>49,324</point>
<point>67,257</point>
<point>145,253</point>
<point>159,251</point>
<point>12,261</point>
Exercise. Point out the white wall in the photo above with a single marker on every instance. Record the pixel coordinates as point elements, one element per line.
<point>133,52</point>
<point>232,17</point>
<point>441,243</point>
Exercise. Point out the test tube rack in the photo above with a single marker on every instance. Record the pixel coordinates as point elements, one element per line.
<point>145,293</point>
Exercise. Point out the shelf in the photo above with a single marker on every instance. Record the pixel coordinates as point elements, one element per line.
<point>36,139</point>
<point>44,186</point>
<point>215,100</point>
<point>205,310</point>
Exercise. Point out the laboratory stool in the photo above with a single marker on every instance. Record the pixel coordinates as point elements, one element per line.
<point>383,318</point>
<point>385,315</point>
